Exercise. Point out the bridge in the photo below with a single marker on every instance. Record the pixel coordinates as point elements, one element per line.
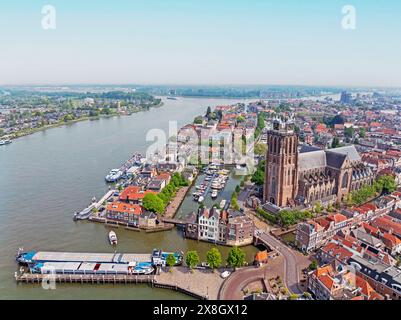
<point>176,222</point>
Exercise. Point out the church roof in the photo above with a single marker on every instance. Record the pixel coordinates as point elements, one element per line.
<point>335,160</point>
<point>312,160</point>
<point>349,151</point>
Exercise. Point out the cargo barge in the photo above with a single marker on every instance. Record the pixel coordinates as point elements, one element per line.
<point>94,263</point>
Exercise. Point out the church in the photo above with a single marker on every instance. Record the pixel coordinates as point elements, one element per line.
<point>302,176</point>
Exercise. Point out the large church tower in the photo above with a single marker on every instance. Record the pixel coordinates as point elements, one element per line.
<point>281,172</point>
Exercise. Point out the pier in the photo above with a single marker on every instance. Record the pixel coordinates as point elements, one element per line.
<point>104,198</point>
<point>84,278</point>
<point>29,278</point>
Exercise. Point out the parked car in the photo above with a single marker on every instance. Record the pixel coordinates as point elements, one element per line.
<point>225,274</point>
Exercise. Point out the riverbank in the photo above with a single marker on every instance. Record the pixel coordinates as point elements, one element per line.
<point>30,131</point>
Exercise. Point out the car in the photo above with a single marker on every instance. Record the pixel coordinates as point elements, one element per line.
<point>225,274</point>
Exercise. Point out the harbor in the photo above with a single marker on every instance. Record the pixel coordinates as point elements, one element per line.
<point>76,171</point>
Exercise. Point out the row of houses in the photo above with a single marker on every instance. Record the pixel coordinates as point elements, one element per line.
<point>360,259</point>
<point>227,227</point>
<point>313,234</point>
<point>364,260</point>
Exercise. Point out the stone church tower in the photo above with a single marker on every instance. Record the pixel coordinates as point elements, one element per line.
<point>281,172</point>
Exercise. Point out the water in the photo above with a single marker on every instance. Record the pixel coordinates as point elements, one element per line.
<point>47,176</point>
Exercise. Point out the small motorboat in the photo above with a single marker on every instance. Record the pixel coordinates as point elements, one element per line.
<point>214,194</point>
<point>4,142</point>
<point>112,238</point>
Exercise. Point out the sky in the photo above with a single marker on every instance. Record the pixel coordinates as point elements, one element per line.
<point>282,42</point>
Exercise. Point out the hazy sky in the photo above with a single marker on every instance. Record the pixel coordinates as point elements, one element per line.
<point>201,42</point>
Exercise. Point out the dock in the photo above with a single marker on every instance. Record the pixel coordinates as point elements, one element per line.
<point>104,198</point>
<point>84,278</point>
<point>30,278</point>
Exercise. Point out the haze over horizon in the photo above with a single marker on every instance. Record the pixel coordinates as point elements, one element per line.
<point>176,42</point>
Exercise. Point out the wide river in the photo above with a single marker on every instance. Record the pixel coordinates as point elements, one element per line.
<point>47,176</point>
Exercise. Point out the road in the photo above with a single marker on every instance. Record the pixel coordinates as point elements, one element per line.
<point>232,287</point>
<point>294,261</point>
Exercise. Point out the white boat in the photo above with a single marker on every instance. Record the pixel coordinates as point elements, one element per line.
<point>4,142</point>
<point>112,237</point>
<point>201,198</point>
<point>214,194</point>
<point>114,175</point>
<point>84,214</point>
<point>223,203</point>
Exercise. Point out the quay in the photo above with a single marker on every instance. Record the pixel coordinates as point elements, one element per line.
<point>152,280</point>
<point>83,278</point>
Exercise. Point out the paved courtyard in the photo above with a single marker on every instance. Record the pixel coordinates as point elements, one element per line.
<point>201,282</point>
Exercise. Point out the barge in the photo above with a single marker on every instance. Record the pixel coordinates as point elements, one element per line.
<point>156,258</point>
<point>140,268</point>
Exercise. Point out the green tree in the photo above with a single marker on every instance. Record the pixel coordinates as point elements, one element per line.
<point>237,188</point>
<point>286,218</point>
<point>213,258</point>
<point>198,120</point>
<point>318,207</point>
<point>313,265</point>
<point>349,132</point>
<point>335,143</point>
<point>386,183</point>
<point>171,261</point>
<point>362,132</point>
<point>260,149</point>
<point>234,202</point>
<point>153,203</point>
<point>68,117</point>
<point>192,259</point>
<point>240,119</point>
<point>236,257</point>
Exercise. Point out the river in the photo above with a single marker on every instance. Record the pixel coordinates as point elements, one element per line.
<point>47,176</point>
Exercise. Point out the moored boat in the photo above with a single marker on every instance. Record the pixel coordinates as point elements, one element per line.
<point>114,175</point>
<point>112,237</point>
<point>4,142</point>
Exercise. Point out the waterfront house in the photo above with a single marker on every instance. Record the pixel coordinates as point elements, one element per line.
<point>124,213</point>
<point>240,229</point>
<point>229,227</point>
<point>309,235</point>
<point>192,227</point>
<point>147,219</point>
<point>209,224</point>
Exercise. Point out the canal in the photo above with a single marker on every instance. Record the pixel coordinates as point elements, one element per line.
<point>47,176</point>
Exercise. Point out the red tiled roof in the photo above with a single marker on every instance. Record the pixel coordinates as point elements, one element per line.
<point>133,193</point>
<point>337,217</point>
<point>337,251</point>
<point>123,207</point>
<point>387,224</point>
